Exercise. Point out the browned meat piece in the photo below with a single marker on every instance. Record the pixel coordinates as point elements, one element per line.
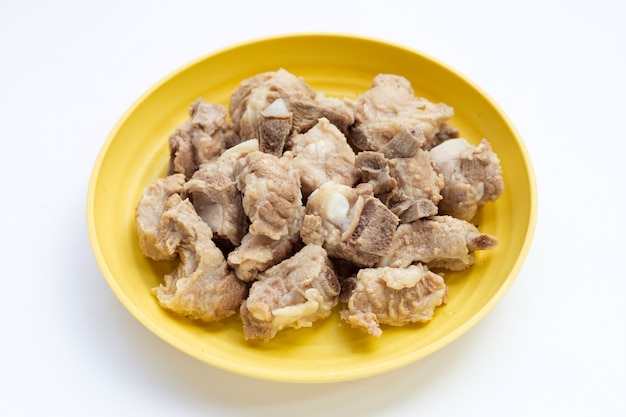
<point>293,294</point>
<point>214,194</point>
<point>408,186</point>
<point>322,154</point>
<point>439,241</point>
<point>149,210</point>
<point>392,296</point>
<point>199,140</point>
<point>473,176</point>
<point>272,198</point>
<point>390,107</point>
<point>254,113</point>
<point>257,253</point>
<point>306,112</point>
<point>202,287</point>
<point>350,223</point>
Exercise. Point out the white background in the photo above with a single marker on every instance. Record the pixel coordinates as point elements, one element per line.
<point>554,345</point>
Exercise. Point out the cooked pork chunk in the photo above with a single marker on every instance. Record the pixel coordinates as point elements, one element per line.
<point>149,210</point>
<point>408,186</point>
<point>214,194</point>
<point>307,111</point>
<point>218,202</point>
<point>273,202</point>
<point>202,287</point>
<point>322,154</point>
<point>439,241</point>
<point>254,94</point>
<point>199,140</point>
<point>472,176</point>
<point>419,186</point>
<point>293,294</point>
<point>274,127</point>
<point>350,223</point>
<point>275,105</point>
<point>405,144</point>
<point>259,107</point>
<point>376,172</point>
<point>257,253</point>
<point>390,107</point>
<point>392,296</point>
<point>228,161</point>
<point>272,198</point>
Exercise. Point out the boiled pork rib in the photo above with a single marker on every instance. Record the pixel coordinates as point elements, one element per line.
<point>149,210</point>
<point>392,296</point>
<point>202,287</point>
<point>438,241</point>
<point>214,194</point>
<point>322,154</point>
<point>390,107</point>
<point>293,294</point>
<point>350,223</point>
<point>200,139</point>
<point>473,176</point>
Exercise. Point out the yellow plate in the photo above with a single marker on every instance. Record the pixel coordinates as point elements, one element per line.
<point>136,152</point>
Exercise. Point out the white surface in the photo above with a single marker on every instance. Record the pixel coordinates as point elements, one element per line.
<point>555,343</point>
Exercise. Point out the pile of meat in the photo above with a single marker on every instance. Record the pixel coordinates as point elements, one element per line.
<point>289,203</point>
